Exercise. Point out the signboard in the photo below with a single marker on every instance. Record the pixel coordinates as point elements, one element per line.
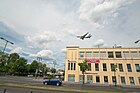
<point>93,60</point>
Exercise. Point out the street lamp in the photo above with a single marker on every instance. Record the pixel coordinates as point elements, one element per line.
<point>137,41</point>
<point>39,59</point>
<point>6,43</point>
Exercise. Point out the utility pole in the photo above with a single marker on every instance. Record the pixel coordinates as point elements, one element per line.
<point>7,41</point>
<point>54,63</point>
<point>39,59</point>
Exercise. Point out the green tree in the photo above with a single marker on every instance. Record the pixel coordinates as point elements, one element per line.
<point>3,59</point>
<point>3,62</point>
<point>53,70</point>
<point>13,57</point>
<point>34,66</point>
<point>83,68</point>
<point>19,66</point>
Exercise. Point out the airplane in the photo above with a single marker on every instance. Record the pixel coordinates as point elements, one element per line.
<point>84,36</point>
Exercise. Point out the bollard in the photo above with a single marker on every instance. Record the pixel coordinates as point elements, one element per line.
<point>31,92</point>
<point>4,91</point>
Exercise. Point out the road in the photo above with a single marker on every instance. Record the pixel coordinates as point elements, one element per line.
<point>38,82</point>
<point>26,90</point>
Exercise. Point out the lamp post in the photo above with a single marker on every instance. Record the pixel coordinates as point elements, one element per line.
<point>137,41</point>
<point>7,41</point>
<point>39,58</point>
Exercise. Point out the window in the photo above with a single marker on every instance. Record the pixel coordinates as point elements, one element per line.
<point>126,54</point>
<point>137,67</point>
<point>96,54</point>
<point>89,54</point>
<point>71,66</point>
<point>139,80</point>
<point>129,68</point>
<point>102,54</point>
<point>134,54</point>
<point>105,79</point>
<point>110,55</point>
<point>118,54</point>
<point>112,67</point>
<point>81,54</point>
<point>120,67</point>
<point>97,79</point>
<point>123,80</point>
<point>96,67</point>
<point>81,78</point>
<point>68,66</point>
<point>71,78</point>
<point>131,80</point>
<point>74,66</point>
<point>89,66</point>
<point>114,79</point>
<point>104,67</point>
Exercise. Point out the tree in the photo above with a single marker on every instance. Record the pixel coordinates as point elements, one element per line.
<point>3,59</point>
<point>19,66</point>
<point>3,62</point>
<point>13,57</point>
<point>34,66</point>
<point>53,70</point>
<point>83,68</point>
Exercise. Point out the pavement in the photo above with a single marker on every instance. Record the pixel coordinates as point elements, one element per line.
<point>99,87</point>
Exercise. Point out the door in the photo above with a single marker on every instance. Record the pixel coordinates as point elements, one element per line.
<point>89,79</point>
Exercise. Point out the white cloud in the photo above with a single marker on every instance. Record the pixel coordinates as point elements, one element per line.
<point>99,43</point>
<point>42,39</point>
<point>101,12</point>
<point>44,54</point>
<point>63,50</point>
<point>17,50</point>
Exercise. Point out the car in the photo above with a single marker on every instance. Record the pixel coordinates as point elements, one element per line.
<point>56,82</point>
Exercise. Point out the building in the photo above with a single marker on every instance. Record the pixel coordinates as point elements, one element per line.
<point>127,61</point>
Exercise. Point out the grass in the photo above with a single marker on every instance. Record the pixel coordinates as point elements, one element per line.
<point>54,89</point>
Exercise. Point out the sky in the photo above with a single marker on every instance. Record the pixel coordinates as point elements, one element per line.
<point>44,28</point>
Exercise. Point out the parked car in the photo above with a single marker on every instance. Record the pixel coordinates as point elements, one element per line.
<point>56,82</point>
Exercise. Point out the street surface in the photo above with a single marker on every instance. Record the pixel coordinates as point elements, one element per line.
<point>26,90</point>
<point>38,82</point>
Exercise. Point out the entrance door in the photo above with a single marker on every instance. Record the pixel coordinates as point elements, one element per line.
<point>89,79</point>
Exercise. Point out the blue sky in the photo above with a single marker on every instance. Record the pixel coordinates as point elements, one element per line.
<point>45,27</point>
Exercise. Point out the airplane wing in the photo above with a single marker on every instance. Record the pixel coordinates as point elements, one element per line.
<point>88,36</point>
<point>85,34</point>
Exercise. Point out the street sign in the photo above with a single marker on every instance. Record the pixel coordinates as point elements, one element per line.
<point>93,60</point>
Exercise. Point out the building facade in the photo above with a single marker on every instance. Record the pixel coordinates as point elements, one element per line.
<point>126,61</point>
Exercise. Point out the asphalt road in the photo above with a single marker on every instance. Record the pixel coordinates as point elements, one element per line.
<point>26,90</point>
<point>38,82</point>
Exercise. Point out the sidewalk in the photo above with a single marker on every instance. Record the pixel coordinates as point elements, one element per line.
<point>102,87</point>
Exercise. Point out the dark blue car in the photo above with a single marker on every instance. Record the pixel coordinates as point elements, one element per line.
<point>56,82</point>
